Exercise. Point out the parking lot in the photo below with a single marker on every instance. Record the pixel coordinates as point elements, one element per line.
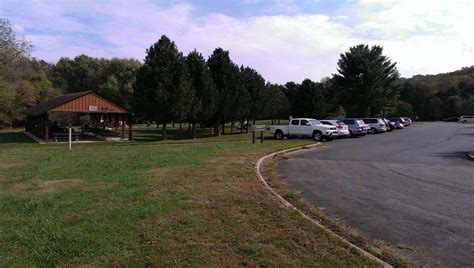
<point>412,187</point>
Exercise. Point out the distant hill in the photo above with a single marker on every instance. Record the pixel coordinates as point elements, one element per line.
<point>438,96</point>
<point>444,81</point>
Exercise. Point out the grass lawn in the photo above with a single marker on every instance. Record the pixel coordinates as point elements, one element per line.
<point>151,203</point>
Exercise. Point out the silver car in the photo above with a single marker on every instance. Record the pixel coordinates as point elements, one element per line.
<point>342,129</point>
<point>376,125</point>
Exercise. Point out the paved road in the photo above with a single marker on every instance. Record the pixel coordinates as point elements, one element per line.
<point>412,187</point>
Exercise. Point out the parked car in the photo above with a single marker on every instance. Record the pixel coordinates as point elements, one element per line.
<point>356,126</point>
<point>304,127</point>
<point>397,122</point>
<point>376,125</point>
<point>466,118</point>
<point>390,127</point>
<point>451,119</point>
<point>407,121</point>
<point>342,129</point>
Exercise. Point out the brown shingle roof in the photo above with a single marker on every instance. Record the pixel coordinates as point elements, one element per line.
<point>45,106</point>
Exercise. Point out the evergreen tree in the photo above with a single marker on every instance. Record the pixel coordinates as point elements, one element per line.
<point>203,103</point>
<point>254,84</point>
<point>367,81</point>
<point>162,91</point>
<point>276,105</point>
<point>225,76</point>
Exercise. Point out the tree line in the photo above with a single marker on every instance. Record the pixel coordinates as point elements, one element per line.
<point>171,87</point>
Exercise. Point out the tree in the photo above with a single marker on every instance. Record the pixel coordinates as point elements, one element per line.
<point>203,103</point>
<point>14,53</point>
<point>162,90</point>
<point>224,73</point>
<point>254,84</point>
<point>112,78</point>
<point>118,79</point>
<point>276,104</point>
<point>311,100</point>
<point>366,81</point>
<point>403,108</point>
<point>306,99</point>
<point>23,81</point>
<point>241,104</point>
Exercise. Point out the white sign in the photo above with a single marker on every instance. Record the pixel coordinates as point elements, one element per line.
<point>259,128</point>
<point>93,108</point>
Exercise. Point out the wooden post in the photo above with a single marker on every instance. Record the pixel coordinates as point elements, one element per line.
<point>253,136</point>
<point>261,136</point>
<point>130,129</point>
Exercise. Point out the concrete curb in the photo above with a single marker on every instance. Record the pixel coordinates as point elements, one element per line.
<point>314,221</point>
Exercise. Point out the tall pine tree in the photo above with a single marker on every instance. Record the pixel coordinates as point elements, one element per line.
<point>254,84</point>
<point>203,103</point>
<point>367,81</point>
<point>225,76</point>
<point>162,90</point>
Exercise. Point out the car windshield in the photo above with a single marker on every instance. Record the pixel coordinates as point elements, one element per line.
<point>315,122</point>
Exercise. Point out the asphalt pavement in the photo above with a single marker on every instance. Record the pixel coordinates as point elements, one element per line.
<point>412,187</point>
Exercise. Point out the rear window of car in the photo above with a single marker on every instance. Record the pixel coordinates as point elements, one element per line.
<point>370,120</point>
<point>304,123</point>
<point>326,123</point>
<point>295,122</point>
<point>348,122</point>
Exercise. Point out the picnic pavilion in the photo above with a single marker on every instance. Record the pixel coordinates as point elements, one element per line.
<point>48,121</point>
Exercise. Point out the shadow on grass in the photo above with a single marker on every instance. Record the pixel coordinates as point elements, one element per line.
<point>14,137</point>
<point>152,134</point>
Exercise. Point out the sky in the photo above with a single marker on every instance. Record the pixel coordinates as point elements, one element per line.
<point>284,40</point>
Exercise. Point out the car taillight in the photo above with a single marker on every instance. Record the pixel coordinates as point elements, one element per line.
<point>339,126</point>
<point>382,125</point>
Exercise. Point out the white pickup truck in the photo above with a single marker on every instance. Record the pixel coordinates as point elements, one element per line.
<point>303,127</point>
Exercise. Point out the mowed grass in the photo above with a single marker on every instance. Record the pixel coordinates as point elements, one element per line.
<point>151,204</point>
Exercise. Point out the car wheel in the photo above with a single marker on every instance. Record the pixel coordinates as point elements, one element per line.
<point>372,131</point>
<point>279,135</point>
<point>317,136</point>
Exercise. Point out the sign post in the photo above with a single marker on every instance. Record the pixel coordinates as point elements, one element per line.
<point>70,138</point>
<point>258,128</point>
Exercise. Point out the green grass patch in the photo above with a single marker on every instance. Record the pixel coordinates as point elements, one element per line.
<point>141,204</point>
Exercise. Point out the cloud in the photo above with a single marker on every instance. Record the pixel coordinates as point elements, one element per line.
<point>423,37</point>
